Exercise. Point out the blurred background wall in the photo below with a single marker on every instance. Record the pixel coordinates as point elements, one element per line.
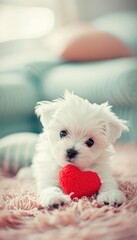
<point>89,9</point>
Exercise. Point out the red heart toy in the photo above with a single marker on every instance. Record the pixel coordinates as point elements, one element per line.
<point>79,183</point>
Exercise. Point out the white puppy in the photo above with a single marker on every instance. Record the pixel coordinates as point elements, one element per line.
<point>80,133</point>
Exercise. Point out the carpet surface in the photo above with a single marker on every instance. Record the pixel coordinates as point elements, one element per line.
<point>22,217</point>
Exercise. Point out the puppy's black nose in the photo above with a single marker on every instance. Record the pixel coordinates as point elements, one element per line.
<point>71,153</point>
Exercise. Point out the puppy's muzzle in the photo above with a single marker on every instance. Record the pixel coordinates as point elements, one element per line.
<point>71,154</point>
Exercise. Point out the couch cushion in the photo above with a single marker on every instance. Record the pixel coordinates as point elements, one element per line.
<point>122,25</point>
<point>82,42</point>
<point>18,95</point>
<point>114,81</point>
<point>16,151</point>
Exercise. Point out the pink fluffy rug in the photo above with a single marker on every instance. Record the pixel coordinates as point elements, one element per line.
<point>21,216</point>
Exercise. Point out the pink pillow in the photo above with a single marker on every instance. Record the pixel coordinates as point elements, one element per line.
<point>83,42</point>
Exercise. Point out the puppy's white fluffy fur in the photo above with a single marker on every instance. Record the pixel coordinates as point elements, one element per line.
<point>82,121</point>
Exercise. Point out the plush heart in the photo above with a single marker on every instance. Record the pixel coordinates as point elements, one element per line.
<point>78,183</point>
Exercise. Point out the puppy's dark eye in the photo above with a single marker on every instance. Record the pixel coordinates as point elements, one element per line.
<point>63,134</point>
<point>90,142</point>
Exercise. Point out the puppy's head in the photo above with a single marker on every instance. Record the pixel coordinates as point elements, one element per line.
<point>78,132</point>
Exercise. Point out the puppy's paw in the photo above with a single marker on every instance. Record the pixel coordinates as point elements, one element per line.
<point>53,197</point>
<point>24,173</point>
<point>115,197</point>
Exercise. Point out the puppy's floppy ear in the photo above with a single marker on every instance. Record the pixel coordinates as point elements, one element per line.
<point>45,110</point>
<point>115,125</point>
